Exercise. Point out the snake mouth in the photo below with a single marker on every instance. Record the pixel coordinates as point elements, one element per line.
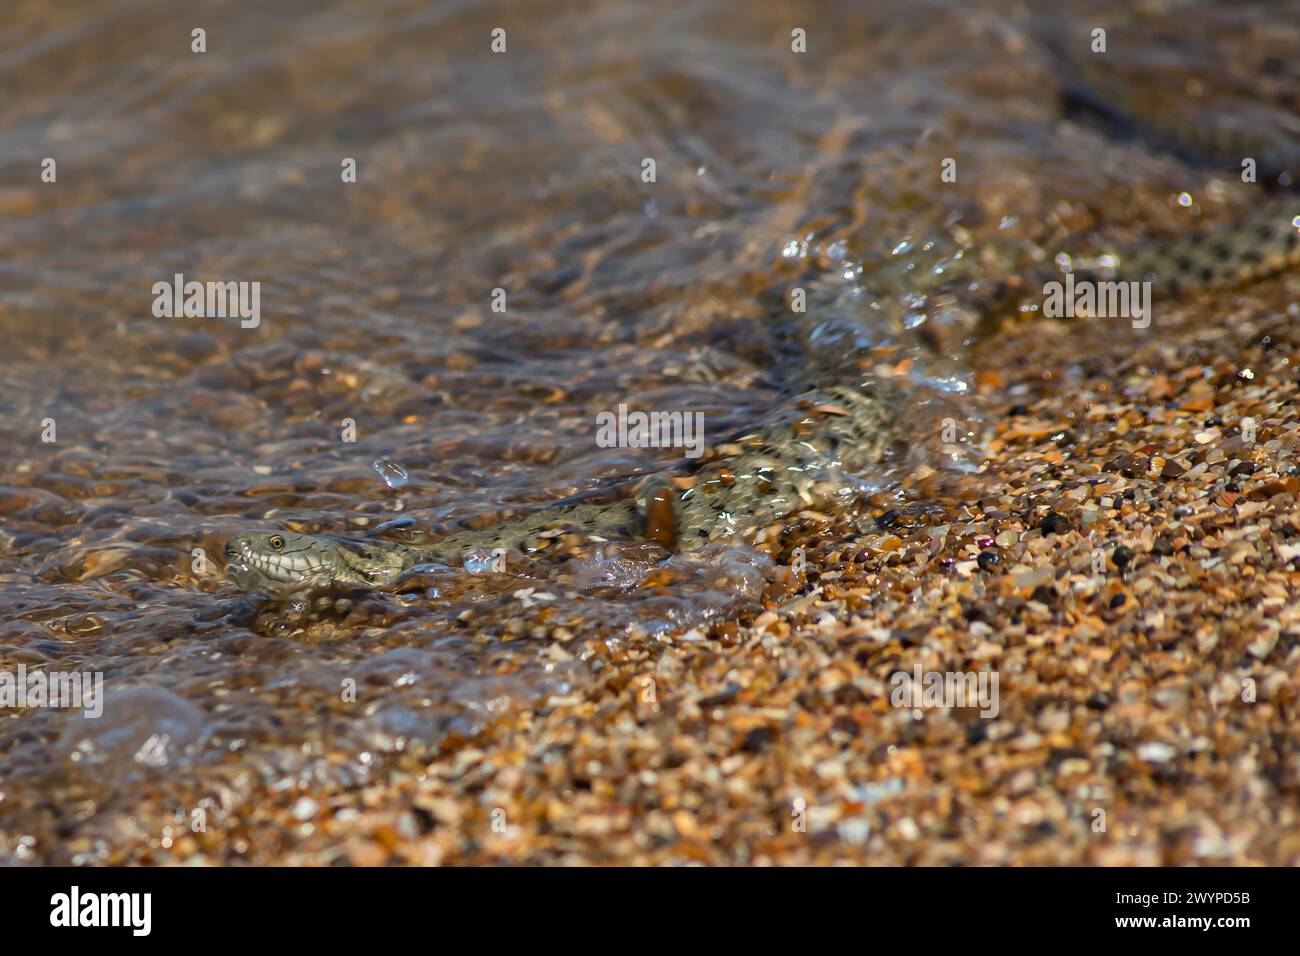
<point>246,578</point>
<point>271,561</point>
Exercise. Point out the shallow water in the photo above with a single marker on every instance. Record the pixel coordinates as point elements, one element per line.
<point>476,171</point>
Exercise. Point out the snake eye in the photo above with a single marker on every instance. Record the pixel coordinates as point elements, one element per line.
<point>276,542</point>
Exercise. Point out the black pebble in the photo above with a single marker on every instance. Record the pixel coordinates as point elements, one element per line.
<point>988,560</point>
<point>1054,524</point>
<point>424,820</point>
<point>1098,701</point>
<point>1122,556</point>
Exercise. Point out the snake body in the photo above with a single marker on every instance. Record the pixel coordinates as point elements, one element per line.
<point>802,455</point>
<point>806,454</point>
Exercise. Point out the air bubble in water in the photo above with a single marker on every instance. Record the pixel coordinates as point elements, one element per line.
<point>394,475</point>
<point>479,561</point>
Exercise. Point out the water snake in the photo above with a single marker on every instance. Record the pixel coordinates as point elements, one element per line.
<point>837,422</point>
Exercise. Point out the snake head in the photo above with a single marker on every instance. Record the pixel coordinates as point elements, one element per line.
<point>277,560</point>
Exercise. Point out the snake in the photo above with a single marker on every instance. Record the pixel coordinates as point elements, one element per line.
<point>837,422</point>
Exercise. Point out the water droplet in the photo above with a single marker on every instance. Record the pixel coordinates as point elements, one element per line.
<point>480,561</point>
<point>393,474</point>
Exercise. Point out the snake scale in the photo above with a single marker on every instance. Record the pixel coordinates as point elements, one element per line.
<point>808,452</point>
